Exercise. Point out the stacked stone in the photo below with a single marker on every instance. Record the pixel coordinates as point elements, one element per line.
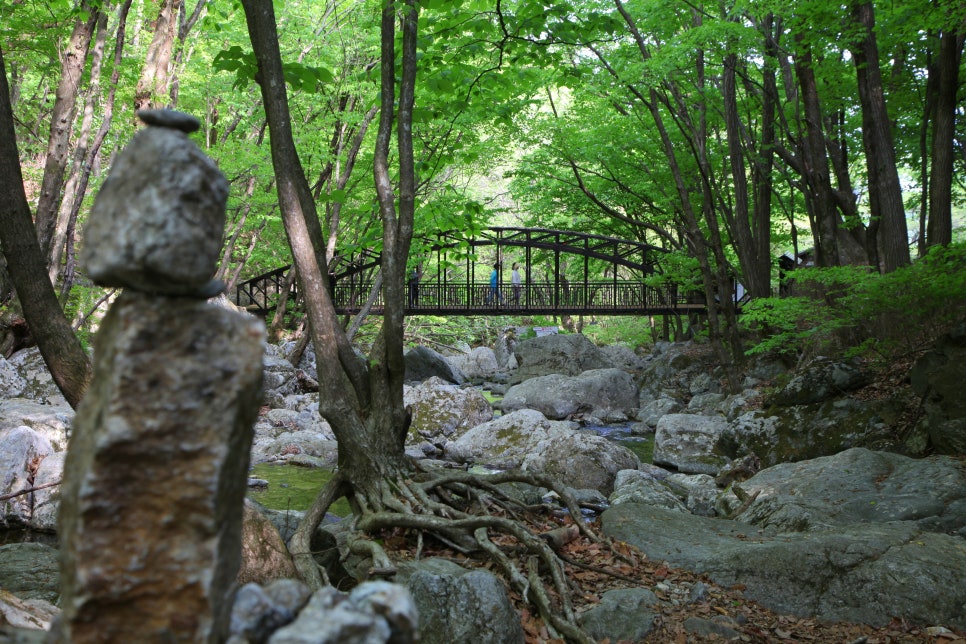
<point>155,477</point>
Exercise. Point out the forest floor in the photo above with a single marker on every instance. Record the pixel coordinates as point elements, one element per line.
<point>593,568</point>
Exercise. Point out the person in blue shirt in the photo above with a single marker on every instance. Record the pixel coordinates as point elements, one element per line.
<point>493,297</point>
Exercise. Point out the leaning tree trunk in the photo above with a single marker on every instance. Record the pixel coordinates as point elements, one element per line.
<point>75,180</point>
<point>84,175</point>
<point>68,364</point>
<point>61,123</point>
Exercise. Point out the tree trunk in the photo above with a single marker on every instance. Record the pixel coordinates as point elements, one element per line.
<point>84,174</point>
<point>363,403</point>
<point>69,365</point>
<point>72,194</point>
<point>152,89</point>
<point>939,230</point>
<point>746,233</point>
<point>61,123</point>
<point>885,192</point>
<point>815,172</point>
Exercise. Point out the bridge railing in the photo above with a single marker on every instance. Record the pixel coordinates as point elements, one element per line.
<point>468,297</point>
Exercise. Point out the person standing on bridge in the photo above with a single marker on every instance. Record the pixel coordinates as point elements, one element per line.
<point>517,285</point>
<point>414,278</point>
<point>493,297</point>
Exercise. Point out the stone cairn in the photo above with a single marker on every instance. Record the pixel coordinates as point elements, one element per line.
<point>155,477</point>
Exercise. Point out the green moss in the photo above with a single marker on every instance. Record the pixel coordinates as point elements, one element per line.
<point>643,447</point>
<point>293,488</point>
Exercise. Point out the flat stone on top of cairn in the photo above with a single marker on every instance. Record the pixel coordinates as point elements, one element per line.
<point>157,224</point>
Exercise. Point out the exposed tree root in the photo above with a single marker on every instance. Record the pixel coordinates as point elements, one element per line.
<point>467,513</point>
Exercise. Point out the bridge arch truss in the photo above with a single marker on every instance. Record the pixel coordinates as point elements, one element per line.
<point>562,272</point>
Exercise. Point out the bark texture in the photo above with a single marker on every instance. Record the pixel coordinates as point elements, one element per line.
<point>63,353</point>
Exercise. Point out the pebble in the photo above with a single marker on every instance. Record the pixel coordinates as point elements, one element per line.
<point>170,118</point>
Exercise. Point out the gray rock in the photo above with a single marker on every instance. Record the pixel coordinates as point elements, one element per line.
<point>162,441</point>
<point>632,486</point>
<point>478,365</point>
<point>170,118</point>
<point>503,349</point>
<point>607,394</point>
<point>622,615</point>
<point>652,411</point>
<point>860,486</point>
<point>422,363</point>
<point>671,368</point>
<point>704,383</point>
<point>707,404</point>
<point>30,571</point>
<point>21,451</point>
<point>561,354</point>
<point>688,443</point>
<point>254,616</point>
<point>857,561</point>
<point>443,411</point>
<point>40,384</point>
<point>809,431</point>
<point>528,440</point>
<point>622,357</point>
<point>52,421</point>
<point>373,613</point>
<point>937,377</point>
<point>12,384</point>
<point>820,381</point>
<point>458,605</point>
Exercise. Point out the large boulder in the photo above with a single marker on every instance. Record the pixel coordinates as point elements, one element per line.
<point>819,381</point>
<point>657,408</point>
<point>30,571</point>
<point>670,369</point>
<point>688,443</point>
<point>258,611</point>
<point>441,411</point>
<point>937,378</point>
<point>624,614</point>
<point>422,363</point>
<point>860,536</point>
<point>12,384</point>
<point>375,612</point>
<point>528,440</point>
<point>478,365</point>
<point>564,354</point>
<point>459,605</point>
<point>40,384</point>
<point>52,421</point>
<point>21,452</point>
<point>622,357</point>
<point>606,394</point>
<point>265,557</point>
<point>45,501</point>
<point>779,435</point>
<point>285,433</point>
<point>860,486</point>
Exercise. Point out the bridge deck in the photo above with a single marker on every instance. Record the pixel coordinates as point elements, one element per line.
<point>596,298</point>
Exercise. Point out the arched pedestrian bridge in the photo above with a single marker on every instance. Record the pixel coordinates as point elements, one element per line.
<point>561,273</point>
